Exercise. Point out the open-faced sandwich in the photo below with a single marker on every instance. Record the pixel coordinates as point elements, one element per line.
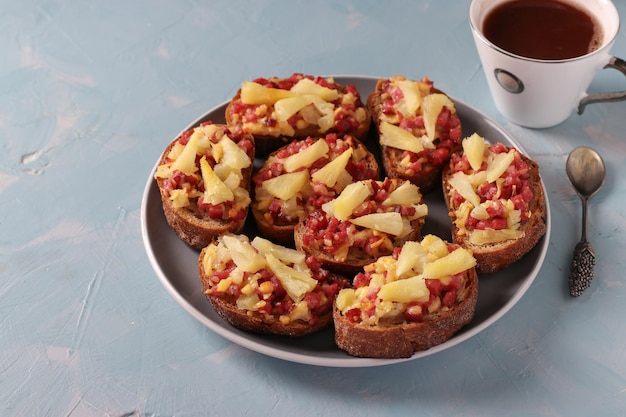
<point>367,220</point>
<point>496,202</point>
<point>278,110</point>
<point>262,287</point>
<point>298,178</point>
<point>412,300</point>
<point>204,181</point>
<point>418,129</point>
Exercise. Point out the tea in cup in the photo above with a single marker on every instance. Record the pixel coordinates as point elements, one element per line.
<point>539,56</point>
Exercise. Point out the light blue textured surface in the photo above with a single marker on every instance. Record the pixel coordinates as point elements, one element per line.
<point>90,94</point>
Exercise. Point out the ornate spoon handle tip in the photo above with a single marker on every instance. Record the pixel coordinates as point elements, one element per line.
<point>581,268</point>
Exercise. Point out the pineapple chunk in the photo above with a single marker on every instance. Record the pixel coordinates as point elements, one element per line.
<point>296,282</point>
<point>474,148</point>
<point>163,171</point>
<point>186,161</point>
<point>307,86</point>
<point>421,210</point>
<point>287,185</point>
<point>406,194</point>
<point>431,107</point>
<point>243,253</point>
<point>349,199</point>
<point>455,262</point>
<point>224,284</point>
<point>324,107</point>
<point>345,299</point>
<point>405,290</point>
<point>179,198</point>
<point>254,93</point>
<point>306,157</point>
<point>396,137</point>
<point>215,191</point>
<point>300,311</point>
<point>209,130</point>
<point>477,178</point>
<point>236,276</point>
<point>286,255</point>
<point>435,246</point>
<point>513,218</point>
<point>326,122</point>
<point>406,227</point>
<point>233,155</point>
<point>461,183</point>
<point>480,212</point>
<point>330,173</point>
<point>343,181</point>
<point>248,302</point>
<point>327,119</point>
<point>287,107</point>
<point>231,177</point>
<point>412,258</point>
<point>310,114</point>
<point>412,95</point>
<point>390,223</point>
<point>499,164</point>
<point>210,259</point>
<point>481,237</point>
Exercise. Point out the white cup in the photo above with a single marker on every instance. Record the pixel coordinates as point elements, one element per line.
<point>543,93</point>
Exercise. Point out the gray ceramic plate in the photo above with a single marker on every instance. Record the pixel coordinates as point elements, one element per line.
<point>175,264</point>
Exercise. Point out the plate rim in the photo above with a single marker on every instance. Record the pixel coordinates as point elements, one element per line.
<point>350,361</point>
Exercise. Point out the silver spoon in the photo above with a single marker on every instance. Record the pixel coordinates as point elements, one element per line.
<point>585,170</point>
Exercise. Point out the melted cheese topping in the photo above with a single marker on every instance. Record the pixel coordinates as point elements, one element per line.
<point>273,111</point>
<point>396,288</point>
<point>492,172</point>
<point>221,179</point>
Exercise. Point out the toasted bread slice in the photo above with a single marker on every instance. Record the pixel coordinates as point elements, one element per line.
<point>277,110</point>
<point>286,295</point>
<point>298,178</point>
<point>367,220</point>
<point>511,218</point>
<point>196,213</point>
<point>418,129</point>
<point>410,301</point>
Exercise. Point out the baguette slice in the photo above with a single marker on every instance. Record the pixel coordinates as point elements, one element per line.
<point>396,309</point>
<point>253,294</point>
<point>430,129</point>
<point>493,250</point>
<point>278,110</point>
<point>181,181</point>
<point>346,234</point>
<point>277,210</point>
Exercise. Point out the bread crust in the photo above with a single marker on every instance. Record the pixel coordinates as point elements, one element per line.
<point>284,233</point>
<point>356,259</point>
<point>498,256</point>
<point>266,144</point>
<point>225,306</point>
<point>429,178</point>
<point>192,226</point>
<point>279,233</point>
<point>256,323</point>
<point>403,340</point>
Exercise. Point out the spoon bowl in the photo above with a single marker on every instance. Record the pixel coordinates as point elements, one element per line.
<point>586,171</point>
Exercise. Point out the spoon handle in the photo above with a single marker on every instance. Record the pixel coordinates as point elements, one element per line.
<point>581,268</point>
<point>584,225</point>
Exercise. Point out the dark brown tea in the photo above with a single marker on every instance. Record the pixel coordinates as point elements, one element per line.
<point>542,29</point>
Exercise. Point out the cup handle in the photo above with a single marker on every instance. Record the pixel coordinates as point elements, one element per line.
<point>620,65</point>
